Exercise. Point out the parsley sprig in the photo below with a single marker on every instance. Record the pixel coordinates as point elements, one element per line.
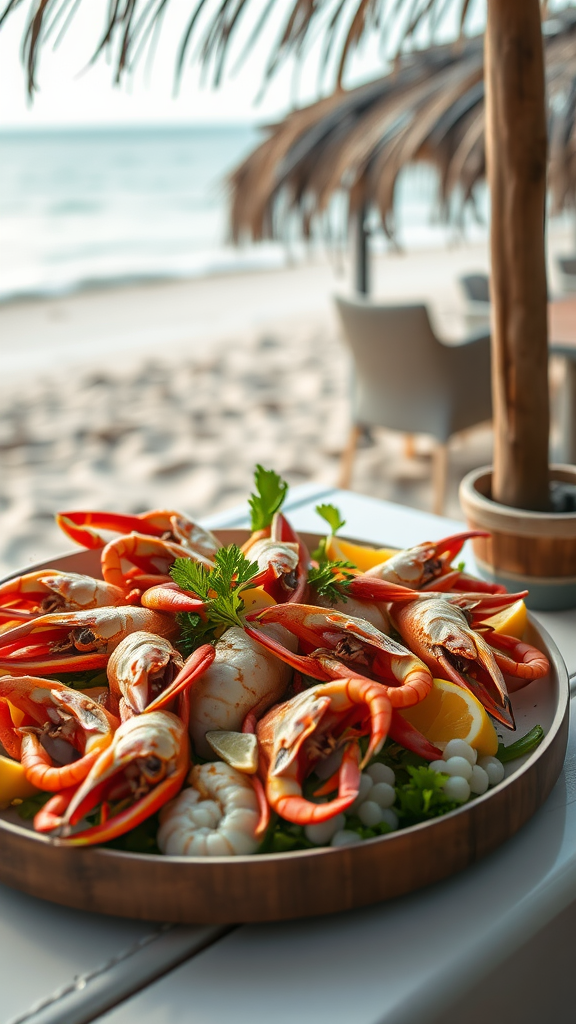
<point>422,797</point>
<point>332,516</point>
<point>221,590</point>
<point>271,491</point>
<point>331,579</point>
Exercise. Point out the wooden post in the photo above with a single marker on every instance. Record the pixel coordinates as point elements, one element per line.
<point>361,252</point>
<point>516,164</point>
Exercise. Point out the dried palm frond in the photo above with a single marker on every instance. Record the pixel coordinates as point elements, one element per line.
<point>430,108</point>
<point>131,26</point>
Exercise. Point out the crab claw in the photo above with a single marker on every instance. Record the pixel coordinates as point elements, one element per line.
<point>48,591</point>
<point>150,557</point>
<point>282,558</point>
<point>437,630</point>
<point>142,666</point>
<point>343,644</point>
<point>417,566</point>
<point>194,668</point>
<point>62,731</point>
<point>84,527</point>
<point>76,640</point>
<point>169,597</point>
<point>369,588</point>
<point>144,767</point>
<point>294,736</point>
<point>520,660</point>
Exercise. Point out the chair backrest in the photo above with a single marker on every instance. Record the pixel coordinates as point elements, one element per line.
<point>405,378</point>
<point>476,287</point>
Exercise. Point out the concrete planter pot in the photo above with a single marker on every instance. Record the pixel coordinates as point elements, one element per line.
<point>534,550</point>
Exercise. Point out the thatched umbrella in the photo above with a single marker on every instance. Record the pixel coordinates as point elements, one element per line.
<point>429,108</point>
<point>516,161</point>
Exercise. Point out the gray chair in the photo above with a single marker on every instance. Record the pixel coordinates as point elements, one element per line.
<point>476,288</point>
<point>567,267</point>
<point>406,379</point>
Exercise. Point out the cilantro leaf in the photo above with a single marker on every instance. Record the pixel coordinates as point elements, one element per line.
<point>192,576</point>
<point>423,796</point>
<point>220,588</point>
<point>270,493</point>
<point>332,516</point>
<point>331,579</point>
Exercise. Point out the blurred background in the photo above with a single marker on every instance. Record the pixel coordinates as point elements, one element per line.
<point>147,361</point>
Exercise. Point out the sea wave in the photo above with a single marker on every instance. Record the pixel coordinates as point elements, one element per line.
<point>101,207</point>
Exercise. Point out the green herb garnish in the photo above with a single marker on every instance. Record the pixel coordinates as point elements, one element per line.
<point>29,807</point>
<point>283,837</point>
<point>271,490</point>
<point>332,580</point>
<point>84,680</point>
<point>525,745</point>
<point>220,588</point>
<point>332,516</point>
<point>422,797</point>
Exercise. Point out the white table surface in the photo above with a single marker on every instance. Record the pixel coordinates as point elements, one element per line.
<point>398,962</point>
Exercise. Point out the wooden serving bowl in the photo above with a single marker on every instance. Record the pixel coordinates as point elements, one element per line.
<point>273,887</point>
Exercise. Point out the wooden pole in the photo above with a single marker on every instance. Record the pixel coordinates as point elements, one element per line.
<point>361,256</point>
<point>516,165</point>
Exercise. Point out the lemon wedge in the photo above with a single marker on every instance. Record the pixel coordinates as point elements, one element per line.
<point>362,557</point>
<point>511,620</point>
<point>255,599</point>
<point>13,783</point>
<point>449,712</point>
<point>238,749</point>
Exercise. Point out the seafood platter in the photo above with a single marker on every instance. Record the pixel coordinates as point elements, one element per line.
<point>259,725</point>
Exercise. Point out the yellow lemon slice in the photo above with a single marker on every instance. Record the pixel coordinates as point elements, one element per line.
<point>255,599</point>
<point>238,749</point>
<point>13,783</point>
<point>450,712</point>
<point>362,557</point>
<point>511,621</point>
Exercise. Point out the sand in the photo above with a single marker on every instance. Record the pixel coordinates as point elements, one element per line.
<point>167,394</point>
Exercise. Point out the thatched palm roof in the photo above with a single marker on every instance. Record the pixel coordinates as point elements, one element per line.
<point>429,108</point>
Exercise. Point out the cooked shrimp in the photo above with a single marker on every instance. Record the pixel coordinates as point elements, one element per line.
<point>217,817</point>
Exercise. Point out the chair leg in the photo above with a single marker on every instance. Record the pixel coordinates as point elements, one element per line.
<point>409,446</point>
<point>439,477</point>
<point>347,460</point>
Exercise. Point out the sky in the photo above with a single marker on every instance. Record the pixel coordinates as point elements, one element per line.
<point>73,93</point>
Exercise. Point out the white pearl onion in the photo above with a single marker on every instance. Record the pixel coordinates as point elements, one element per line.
<point>458,766</point>
<point>391,818</point>
<point>323,831</point>
<point>382,794</point>
<point>345,838</point>
<point>457,788</point>
<point>370,813</point>
<point>459,748</point>
<point>493,768</point>
<point>438,766</point>
<point>479,780</point>
<point>381,773</point>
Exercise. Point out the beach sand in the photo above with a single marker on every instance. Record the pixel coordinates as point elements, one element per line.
<point>167,394</point>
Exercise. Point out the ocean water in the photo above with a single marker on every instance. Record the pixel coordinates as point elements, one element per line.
<point>84,207</point>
